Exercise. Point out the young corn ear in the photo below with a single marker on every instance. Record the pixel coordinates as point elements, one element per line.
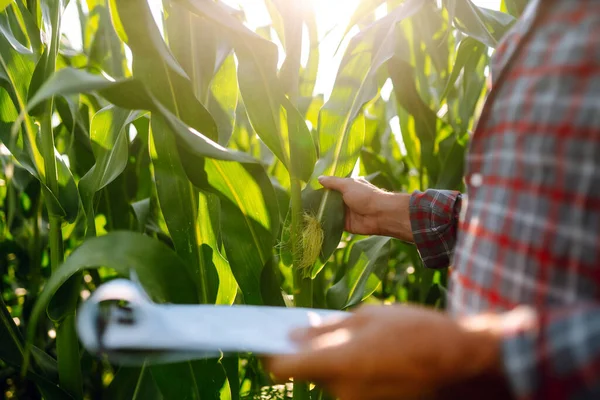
<point>312,241</point>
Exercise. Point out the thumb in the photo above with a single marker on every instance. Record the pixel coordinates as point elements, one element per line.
<point>334,183</point>
<point>304,335</point>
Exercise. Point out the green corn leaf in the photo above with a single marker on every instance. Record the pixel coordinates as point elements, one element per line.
<point>424,277</point>
<point>143,35</point>
<point>126,93</point>
<point>64,301</point>
<point>364,272</point>
<point>110,148</point>
<point>204,56</point>
<point>341,123</point>
<point>251,226</point>
<point>430,27</point>
<point>469,49</point>
<point>16,68</point>
<point>277,13</point>
<point>312,115</point>
<point>177,381</point>
<point>67,203</point>
<point>365,9</point>
<point>11,28</point>
<point>109,145</point>
<point>32,32</point>
<point>194,143</point>
<point>308,75</point>
<point>116,21</point>
<point>223,99</point>
<point>292,15</point>
<point>12,350</point>
<point>242,199</point>
<point>231,366</point>
<point>105,49</point>
<point>8,115</point>
<point>38,78</point>
<point>209,224</point>
<point>473,90</point>
<point>156,66</point>
<point>141,209</point>
<point>180,206</point>
<point>131,94</point>
<point>377,166</point>
<point>288,136</point>
<point>202,379</point>
<point>419,123</point>
<point>452,151</point>
<point>93,23</point>
<point>114,204</point>
<point>164,276</point>
<point>514,7</point>
<point>195,45</point>
<point>249,217</point>
<point>272,116</point>
<point>487,26</point>
<point>133,383</point>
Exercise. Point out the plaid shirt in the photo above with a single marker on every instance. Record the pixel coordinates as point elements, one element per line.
<point>527,246</point>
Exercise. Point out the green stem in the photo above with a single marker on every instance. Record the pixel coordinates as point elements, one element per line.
<point>35,247</point>
<point>302,285</point>
<point>201,202</point>
<point>302,298</point>
<point>67,345</point>
<point>11,200</point>
<point>55,243</point>
<point>67,350</point>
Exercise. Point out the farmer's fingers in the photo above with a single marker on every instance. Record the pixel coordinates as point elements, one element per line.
<point>377,391</point>
<point>310,365</point>
<point>305,335</point>
<point>347,219</point>
<point>334,183</point>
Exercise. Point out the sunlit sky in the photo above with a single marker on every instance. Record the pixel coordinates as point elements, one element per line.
<point>332,18</point>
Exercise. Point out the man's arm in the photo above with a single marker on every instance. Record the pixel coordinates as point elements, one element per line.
<point>414,352</point>
<point>429,218</point>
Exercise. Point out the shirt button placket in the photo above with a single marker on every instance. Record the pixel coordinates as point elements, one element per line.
<point>476,180</point>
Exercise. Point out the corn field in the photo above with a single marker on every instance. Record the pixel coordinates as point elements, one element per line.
<point>186,150</point>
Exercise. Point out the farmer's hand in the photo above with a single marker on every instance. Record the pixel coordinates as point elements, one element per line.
<point>399,352</point>
<point>370,210</point>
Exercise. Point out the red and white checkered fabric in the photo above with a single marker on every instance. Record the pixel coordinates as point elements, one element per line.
<point>530,235</point>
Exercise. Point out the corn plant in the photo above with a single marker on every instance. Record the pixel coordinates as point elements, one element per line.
<point>193,162</point>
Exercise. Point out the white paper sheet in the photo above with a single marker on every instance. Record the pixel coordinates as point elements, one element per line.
<point>145,332</point>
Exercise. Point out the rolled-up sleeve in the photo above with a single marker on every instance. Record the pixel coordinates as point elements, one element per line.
<point>434,216</point>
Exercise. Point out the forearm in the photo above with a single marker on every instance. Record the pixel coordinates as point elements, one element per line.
<point>393,216</point>
<point>429,219</point>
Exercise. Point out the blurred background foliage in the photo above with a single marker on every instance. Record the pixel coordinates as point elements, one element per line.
<point>180,143</point>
